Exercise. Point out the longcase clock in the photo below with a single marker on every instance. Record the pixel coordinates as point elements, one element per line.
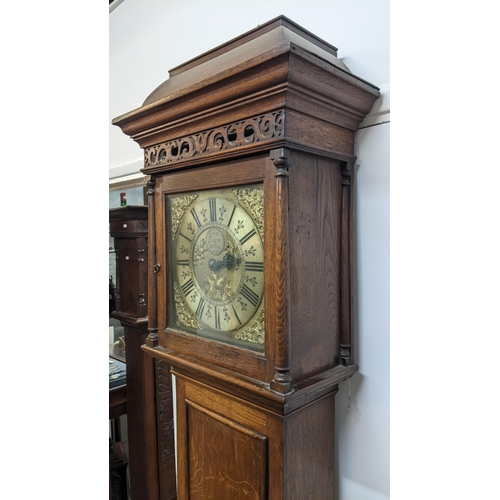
<point>249,153</point>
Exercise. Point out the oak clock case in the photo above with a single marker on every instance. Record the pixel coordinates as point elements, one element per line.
<point>216,264</point>
<point>249,152</point>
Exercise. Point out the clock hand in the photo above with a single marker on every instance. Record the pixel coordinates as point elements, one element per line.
<point>228,261</point>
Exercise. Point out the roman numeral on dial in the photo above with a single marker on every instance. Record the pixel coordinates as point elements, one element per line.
<point>247,236</point>
<point>217,318</point>
<point>195,217</point>
<point>213,209</point>
<point>250,295</point>
<point>256,267</point>
<point>200,308</point>
<point>183,262</point>
<point>231,217</point>
<point>188,287</point>
<point>236,314</point>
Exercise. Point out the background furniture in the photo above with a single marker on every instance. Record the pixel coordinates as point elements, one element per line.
<point>117,407</point>
<point>129,228</point>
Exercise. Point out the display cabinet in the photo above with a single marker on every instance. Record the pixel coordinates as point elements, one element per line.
<point>128,226</point>
<point>249,149</point>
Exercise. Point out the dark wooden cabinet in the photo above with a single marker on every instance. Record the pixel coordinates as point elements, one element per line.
<point>129,228</point>
<point>249,152</point>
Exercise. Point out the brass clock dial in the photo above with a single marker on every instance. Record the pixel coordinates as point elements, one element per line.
<point>216,257</point>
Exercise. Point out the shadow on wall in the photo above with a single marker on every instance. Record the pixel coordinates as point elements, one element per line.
<point>345,408</point>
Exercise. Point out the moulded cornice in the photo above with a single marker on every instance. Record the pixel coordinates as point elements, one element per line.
<point>275,68</point>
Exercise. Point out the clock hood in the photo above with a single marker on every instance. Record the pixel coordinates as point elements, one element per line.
<point>258,91</point>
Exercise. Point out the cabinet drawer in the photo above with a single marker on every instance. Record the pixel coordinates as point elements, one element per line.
<point>138,227</point>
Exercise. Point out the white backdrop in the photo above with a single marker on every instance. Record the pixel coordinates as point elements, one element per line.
<point>149,37</point>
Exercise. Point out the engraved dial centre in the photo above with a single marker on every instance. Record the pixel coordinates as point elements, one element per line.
<point>218,279</point>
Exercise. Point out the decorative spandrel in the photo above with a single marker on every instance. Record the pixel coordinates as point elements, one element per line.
<point>216,271</point>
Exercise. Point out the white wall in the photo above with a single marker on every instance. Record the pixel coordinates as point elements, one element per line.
<point>362,428</point>
<point>148,37</point>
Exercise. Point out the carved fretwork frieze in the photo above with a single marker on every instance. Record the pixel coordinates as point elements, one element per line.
<point>252,130</point>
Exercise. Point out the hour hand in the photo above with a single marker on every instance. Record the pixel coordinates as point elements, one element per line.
<point>228,261</point>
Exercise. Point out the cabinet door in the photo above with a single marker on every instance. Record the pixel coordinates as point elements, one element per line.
<point>227,461</point>
<point>215,278</point>
<point>224,448</point>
